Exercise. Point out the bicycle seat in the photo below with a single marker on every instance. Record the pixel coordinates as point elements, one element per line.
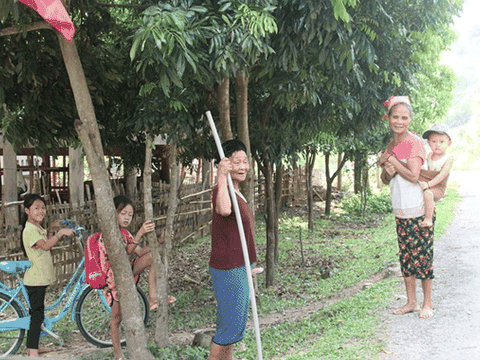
<point>15,267</point>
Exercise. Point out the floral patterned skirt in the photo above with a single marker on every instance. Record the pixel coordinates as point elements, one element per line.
<point>416,248</point>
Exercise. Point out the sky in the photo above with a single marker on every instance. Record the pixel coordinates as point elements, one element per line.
<point>464,59</point>
<point>465,52</point>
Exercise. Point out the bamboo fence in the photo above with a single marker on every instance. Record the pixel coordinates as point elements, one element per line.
<point>193,219</point>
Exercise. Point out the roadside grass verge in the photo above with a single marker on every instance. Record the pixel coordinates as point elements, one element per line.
<point>348,328</point>
<point>339,253</point>
<point>344,330</point>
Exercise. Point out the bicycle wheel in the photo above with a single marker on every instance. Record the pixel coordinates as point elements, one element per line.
<point>11,339</point>
<point>93,317</point>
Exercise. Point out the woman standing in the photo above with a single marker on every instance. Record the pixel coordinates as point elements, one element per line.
<point>401,165</point>
<point>227,265</point>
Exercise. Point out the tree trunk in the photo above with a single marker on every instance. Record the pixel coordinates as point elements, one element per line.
<point>161,332</point>
<point>76,173</point>
<point>278,204</point>
<point>9,187</point>
<point>310,162</point>
<point>297,183</point>
<point>364,184</point>
<point>339,177</point>
<point>329,179</point>
<point>328,195</point>
<point>87,129</point>
<point>198,172</point>
<point>131,183</point>
<point>224,110</point>
<point>267,169</point>
<point>206,181</point>
<point>247,186</point>
<point>270,226</point>
<point>357,173</point>
<point>364,191</point>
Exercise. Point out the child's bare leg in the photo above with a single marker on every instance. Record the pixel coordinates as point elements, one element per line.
<point>115,321</point>
<point>143,262</point>
<point>429,208</point>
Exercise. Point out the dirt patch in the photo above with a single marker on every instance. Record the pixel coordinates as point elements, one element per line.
<point>188,272</point>
<point>78,348</point>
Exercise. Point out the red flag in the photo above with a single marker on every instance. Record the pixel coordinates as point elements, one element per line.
<point>55,14</point>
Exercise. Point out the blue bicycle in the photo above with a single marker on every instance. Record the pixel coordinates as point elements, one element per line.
<point>88,307</point>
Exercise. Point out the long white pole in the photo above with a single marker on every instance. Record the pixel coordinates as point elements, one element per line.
<point>242,238</point>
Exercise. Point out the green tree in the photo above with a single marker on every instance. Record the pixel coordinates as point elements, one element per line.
<point>87,129</point>
<point>309,52</point>
<point>164,53</point>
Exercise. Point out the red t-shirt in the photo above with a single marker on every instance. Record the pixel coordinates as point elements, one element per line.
<point>227,250</point>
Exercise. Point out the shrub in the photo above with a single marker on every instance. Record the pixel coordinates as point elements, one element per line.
<point>376,204</point>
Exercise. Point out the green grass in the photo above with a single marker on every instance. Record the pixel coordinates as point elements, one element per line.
<point>346,254</point>
<point>183,317</point>
<point>342,247</point>
<point>345,330</point>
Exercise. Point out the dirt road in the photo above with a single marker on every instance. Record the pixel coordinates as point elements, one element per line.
<point>454,331</point>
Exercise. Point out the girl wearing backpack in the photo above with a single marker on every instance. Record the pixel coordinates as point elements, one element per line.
<point>144,260</point>
<point>36,243</point>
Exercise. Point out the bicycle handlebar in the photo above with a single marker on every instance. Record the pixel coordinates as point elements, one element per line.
<point>72,224</point>
<point>69,224</point>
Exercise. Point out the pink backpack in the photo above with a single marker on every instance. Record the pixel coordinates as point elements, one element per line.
<point>94,275</point>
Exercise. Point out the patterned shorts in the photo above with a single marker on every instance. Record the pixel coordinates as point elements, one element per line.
<point>416,248</point>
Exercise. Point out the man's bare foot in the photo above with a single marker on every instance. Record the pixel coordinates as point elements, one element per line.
<point>426,313</point>
<point>407,308</point>
<point>426,223</point>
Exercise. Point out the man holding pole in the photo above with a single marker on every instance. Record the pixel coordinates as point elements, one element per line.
<point>227,263</point>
